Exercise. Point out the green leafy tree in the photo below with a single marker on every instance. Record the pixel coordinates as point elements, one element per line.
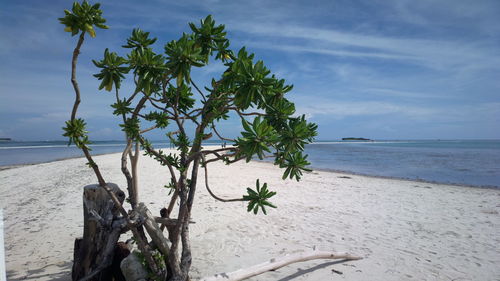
<point>83,19</point>
<point>167,97</point>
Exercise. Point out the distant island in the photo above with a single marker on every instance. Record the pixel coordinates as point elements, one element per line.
<point>5,139</point>
<point>356,139</point>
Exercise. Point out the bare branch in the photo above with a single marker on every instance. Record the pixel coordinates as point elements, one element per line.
<point>126,172</point>
<point>199,110</point>
<point>157,154</point>
<point>210,191</point>
<point>187,116</point>
<point>219,150</point>
<point>74,82</point>
<point>153,229</point>
<point>74,61</point>
<point>159,107</point>
<point>139,106</point>
<point>276,263</point>
<point>168,221</point>
<point>171,205</point>
<point>148,129</point>
<point>222,157</point>
<point>215,152</point>
<point>198,89</point>
<point>245,113</point>
<point>186,257</point>
<point>221,137</point>
<point>180,123</point>
<point>134,159</point>
<point>132,97</point>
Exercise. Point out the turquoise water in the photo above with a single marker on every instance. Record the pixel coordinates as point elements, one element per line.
<point>468,162</point>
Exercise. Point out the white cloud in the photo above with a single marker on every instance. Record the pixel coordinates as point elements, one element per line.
<point>402,93</point>
<point>481,112</point>
<point>45,118</point>
<point>332,51</point>
<point>480,16</point>
<point>344,109</point>
<point>432,53</point>
<point>410,60</point>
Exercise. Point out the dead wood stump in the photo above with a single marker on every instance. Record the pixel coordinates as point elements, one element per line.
<point>102,226</point>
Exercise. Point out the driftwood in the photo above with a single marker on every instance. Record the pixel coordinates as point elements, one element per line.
<point>168,221</point>
<point>153,229</point>
<point>102,226</point>
<point>276,263</point>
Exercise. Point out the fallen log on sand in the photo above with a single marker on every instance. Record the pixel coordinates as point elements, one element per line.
<point>276,263</point>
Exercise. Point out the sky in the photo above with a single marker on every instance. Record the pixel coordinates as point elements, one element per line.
<point>380,69</point>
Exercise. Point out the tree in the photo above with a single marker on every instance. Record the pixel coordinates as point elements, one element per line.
<point>168,99</point>
<point>94,252</point>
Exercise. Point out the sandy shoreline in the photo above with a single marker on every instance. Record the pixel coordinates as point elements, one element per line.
<point>347,173</point>
<point>406,230</point>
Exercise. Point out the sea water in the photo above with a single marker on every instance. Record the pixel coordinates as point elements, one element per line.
<point>32,152</point>
<point>466,162</point>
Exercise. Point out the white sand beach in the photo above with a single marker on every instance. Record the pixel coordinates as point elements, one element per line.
<point>405,230</point>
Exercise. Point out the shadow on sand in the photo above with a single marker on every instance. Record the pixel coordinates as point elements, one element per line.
<point>301,272</point>
<point>57,272</point>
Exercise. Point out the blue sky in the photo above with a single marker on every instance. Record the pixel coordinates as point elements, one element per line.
<point>382,69</point>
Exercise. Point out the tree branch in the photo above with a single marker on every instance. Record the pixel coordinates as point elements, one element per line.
<point>199,110</point>
<point>196,87</point>
<point>215,152</point>
<point>276,263</point>
<point>159,107</point>
<point>168,221</point>
<point>210,191</point>
<point>227,162</point>
<point>180,124</point>
<point>153,229</point>
<point>219,150</point>
<point>132,97</point>
<point>126,172</point>
<point>74,62</point>
<point>186,258</point>
<point>221,137</point>
<point>148,129</point>
<point>245,113</point>
<point>187,116</point>
<point>134,159</point>
<point>100,179</point>
<point>155,153</point>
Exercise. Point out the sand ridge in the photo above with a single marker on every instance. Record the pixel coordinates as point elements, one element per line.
<point>406,230</point>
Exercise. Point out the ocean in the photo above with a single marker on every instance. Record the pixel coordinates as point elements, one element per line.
<point>464,162</point>
<point>33,152</point>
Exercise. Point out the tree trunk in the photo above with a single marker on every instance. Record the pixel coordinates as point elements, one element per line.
<point>102,226</point>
